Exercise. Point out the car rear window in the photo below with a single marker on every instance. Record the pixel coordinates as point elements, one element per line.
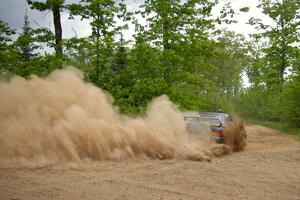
<point>211,121</point>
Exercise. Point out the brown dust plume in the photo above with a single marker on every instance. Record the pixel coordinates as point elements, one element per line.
<point>235,135</point>
<point>235,139</point>
<point>61,118</point>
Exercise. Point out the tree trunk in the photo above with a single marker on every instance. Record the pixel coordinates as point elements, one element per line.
<point>58,31</point>
<point>283,57</point>
<point>165,40</point>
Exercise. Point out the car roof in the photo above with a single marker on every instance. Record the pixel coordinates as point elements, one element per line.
<point>211,113</point>
<point>221,116</point>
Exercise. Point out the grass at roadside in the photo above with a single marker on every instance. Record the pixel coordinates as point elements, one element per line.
<point>283,127</point>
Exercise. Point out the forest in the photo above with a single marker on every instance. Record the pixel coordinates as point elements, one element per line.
<point>181,51</point>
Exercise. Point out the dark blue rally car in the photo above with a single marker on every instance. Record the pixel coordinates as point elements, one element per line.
<point>215,121</point>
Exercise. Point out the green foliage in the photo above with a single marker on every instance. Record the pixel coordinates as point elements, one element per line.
<point>172,55</point>
<point>187,99</point>
<point>100,45</point>
<point>230,60</point>
<point>179,52</point>
<point>245,9</point>
<point>45,5</point>
<point>173,21</point>
<point>8,54</point>
<point>291,106</point>
<point>274,94</point>
<point>260,103</point>
<point>5,33</point>
<point>55,6</point>
<point>280,50</point>
<point>25,42</point>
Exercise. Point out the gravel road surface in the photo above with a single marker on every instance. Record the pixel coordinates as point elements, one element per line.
<point>269,168</point>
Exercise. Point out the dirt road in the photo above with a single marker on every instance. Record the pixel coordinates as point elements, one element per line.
<point>269,168</point>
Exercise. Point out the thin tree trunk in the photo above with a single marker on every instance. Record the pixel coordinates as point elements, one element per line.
<point>58,31</point>
<point>166,45</point>
<point>283,64</point>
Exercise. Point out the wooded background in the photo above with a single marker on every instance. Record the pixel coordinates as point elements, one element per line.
<point>181,51</point>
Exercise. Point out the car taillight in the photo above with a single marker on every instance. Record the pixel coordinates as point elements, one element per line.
<point>218,132</point>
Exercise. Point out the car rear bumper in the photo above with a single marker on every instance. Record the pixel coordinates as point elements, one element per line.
<point>218,139</point>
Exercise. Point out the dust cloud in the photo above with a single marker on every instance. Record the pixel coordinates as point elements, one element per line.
<point>61,118</point>
<point>235,135</point>
<point>235,139</point>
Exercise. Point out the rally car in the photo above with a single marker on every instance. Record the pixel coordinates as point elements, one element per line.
<point>216,122</point>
